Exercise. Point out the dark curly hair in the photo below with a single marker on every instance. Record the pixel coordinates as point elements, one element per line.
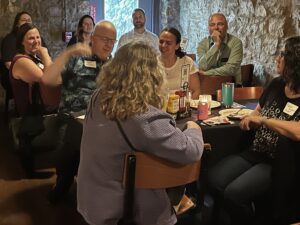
<point>177,35</point>
<point>291,72</point>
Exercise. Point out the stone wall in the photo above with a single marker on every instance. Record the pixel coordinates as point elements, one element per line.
<point>261,25</point>
<point>52,17</point>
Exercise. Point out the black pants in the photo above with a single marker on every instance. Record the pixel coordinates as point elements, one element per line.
<point>68,159</point>
<point>239,179</point>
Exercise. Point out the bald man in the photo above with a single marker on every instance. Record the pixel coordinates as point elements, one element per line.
<point>220,53</point>
<point>76,70</point>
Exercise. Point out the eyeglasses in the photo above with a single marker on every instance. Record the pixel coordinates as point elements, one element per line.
<point>106,40</point>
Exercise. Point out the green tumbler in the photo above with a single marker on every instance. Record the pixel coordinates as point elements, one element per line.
<point>227,94</point>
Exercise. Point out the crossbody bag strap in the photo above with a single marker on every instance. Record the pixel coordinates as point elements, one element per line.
<point>125,136</point>
<point>128,218</point>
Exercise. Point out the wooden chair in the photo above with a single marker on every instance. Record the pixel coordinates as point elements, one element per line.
<point>192,56</point>
<point>243,93</point>
<point>51,96</point>
<point>5,82</point>
<point>142,170</point>
<point>210,84</point>
<point>247,74</point>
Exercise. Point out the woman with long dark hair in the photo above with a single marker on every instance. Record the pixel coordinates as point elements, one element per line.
<point>268,167</point>
<point>84,31</point>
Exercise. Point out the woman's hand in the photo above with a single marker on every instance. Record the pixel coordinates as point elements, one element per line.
<point>250,122</point>
<point>42,52</point>
<point>192,124</point>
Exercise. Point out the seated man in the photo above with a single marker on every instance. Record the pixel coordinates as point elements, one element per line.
<point>220,53</point>
<point>76,70</point>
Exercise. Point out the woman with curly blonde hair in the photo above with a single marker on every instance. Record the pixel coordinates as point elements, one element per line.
<point>129,97</point>
<point>130,83</point>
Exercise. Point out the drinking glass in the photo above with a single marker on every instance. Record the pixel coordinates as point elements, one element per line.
<point>208,99</point>
<point>227,94</point>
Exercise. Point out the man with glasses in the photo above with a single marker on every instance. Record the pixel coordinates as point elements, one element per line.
<point>139,31</point>
<point>76,70</point>
<point>220,53</point>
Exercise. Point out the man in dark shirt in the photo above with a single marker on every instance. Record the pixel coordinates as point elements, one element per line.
<point>76,70</point>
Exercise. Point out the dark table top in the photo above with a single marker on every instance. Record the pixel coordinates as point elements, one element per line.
<point>224,139</point>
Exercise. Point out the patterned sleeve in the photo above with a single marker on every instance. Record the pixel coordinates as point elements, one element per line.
<point>68,71</point>
<point>155,132</point>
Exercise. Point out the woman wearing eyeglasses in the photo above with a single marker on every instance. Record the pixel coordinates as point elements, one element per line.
<point>267,169</point>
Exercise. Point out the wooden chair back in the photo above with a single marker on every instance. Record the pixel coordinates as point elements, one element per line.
<point>210,84</point>
<point>247,75</point>
<point>50,95</point>
<point>192,56</point>
<point>243,93</point>
<point>152,172</point>
<point>143,170</point>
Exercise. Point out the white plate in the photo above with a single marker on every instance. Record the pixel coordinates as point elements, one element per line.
<point>214,104</point>
<point>235,113</point>
<point>217,120</point>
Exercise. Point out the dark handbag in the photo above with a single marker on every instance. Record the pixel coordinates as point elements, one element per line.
<point>31,124</point>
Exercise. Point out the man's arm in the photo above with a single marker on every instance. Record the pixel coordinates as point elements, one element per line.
<point>208,58</point>
<point>52,75</point>
<point>234,61</point>
<point>122,41</point>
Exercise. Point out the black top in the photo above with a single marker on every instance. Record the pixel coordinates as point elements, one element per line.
<point>273,102</point>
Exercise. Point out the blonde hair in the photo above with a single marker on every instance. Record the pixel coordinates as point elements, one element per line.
<point>130,82</point>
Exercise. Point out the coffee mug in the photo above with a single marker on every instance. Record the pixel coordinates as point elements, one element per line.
<point>227,94</point>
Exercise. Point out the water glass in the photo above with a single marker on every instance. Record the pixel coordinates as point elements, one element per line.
<point>208,99</point>
<point>227,94</point>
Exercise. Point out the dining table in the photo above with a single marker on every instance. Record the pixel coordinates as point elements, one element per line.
<point>225,139</point>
